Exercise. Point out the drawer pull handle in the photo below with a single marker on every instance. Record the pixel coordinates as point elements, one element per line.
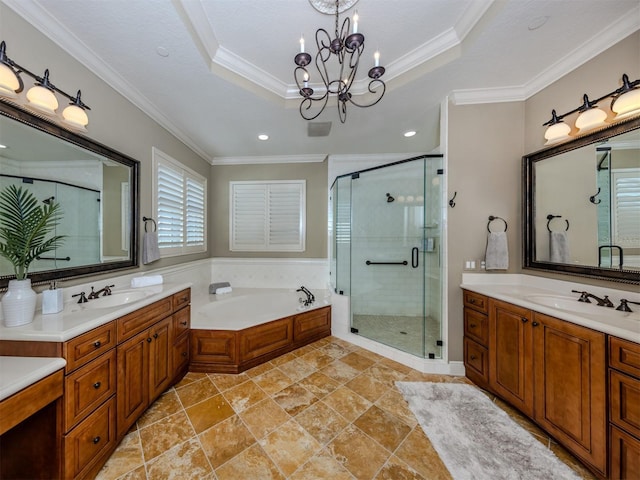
<point>472,301</point>
<point>155,335</point>
<point>184,354</point>
<point>535,324</point>
<point>184,323</point>
<point>97,344</point>
<point>97,385</point>
<point>149,340</point>
<point>96,439</point>
<point>524,320</point>
<point>472,325</point>
<point>473,357</point>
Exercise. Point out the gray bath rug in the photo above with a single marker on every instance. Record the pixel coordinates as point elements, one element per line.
<point>477,440</point>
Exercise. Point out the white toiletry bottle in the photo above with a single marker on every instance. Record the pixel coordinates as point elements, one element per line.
<point>52,301</point>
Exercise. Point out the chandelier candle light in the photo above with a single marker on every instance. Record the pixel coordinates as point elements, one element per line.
<point>625,103</point>
<point>41,96</point>
<point>343,52</point>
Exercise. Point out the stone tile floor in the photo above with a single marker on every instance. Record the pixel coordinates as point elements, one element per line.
<point>329,410</point>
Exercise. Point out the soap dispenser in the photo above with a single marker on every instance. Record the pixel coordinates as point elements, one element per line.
<point>52,301</point>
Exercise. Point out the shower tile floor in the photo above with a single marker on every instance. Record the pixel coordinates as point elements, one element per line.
<point>329,410</point>
<point>401,332</point>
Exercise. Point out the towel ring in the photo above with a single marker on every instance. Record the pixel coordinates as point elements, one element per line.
<point>149,219</point>
<point>492,218</point>
<point>551,217</point>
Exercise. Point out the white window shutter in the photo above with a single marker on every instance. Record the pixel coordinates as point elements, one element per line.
<point>170,207</point>
<point>267,216</point>
<point>626,207</point>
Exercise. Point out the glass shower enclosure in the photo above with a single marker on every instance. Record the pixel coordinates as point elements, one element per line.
<point>386,253</point>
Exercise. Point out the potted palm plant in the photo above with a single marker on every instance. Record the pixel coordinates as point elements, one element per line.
<point>25,224</point>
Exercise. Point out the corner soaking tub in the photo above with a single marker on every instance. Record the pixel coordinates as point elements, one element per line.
<point>236,331</point>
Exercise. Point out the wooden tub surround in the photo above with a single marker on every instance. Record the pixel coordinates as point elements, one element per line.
<point>234,351</point>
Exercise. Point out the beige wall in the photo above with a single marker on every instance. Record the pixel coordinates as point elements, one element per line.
<point>316,176</point>
<point>113,120</point>
<point>484,155</point>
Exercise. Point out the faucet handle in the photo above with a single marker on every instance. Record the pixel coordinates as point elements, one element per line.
<point>624,307</point>
<point>83,298</point>
<point>107,290</point>
<point>584,296</point>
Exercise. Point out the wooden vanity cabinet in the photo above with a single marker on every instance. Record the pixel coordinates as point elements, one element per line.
<point>550,369</point>
<point>624,408</point>
<point>476,338</point>
<point>510,354</point>
<point>146,353</point>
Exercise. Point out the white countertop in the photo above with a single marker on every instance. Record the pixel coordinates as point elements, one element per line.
<point>522,290</point>
<point>77,319</point>
<point>17,373</point>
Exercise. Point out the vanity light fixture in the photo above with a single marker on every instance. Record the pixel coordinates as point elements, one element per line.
<point>339,54</point>
<point>42,96</point>
<point>625,103</point>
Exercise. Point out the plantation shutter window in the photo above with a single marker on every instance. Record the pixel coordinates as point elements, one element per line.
<point>267,216</point>
<point>180,199</point>
<point>625,209</point>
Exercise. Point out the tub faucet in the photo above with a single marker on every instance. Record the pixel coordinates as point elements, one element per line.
<point>585,296</point>
<point>310,298</point>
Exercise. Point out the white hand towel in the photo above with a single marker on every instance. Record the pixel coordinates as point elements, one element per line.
<point>223,290</point>
<point>559,247</point>
<point>497,254</point>
<point>146,281</point>
<point>150,250</point>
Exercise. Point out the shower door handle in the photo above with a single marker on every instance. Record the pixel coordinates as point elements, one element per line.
<point>415,257</point>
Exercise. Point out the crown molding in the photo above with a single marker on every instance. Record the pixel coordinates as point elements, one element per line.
<point>597,44</point>
<point>42,20</point>
<point>374,157</point>
<point>269,159</point>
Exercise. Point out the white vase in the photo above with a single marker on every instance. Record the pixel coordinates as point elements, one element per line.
<point>19,303</point>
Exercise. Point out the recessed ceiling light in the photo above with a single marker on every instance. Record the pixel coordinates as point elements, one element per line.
<point>163,52</point>
<point>2,146</point>
<point>263,136</point>
<point>410,133</point>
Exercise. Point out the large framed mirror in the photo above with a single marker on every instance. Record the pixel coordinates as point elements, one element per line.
<point>581,205</point>
<point>96,187</point>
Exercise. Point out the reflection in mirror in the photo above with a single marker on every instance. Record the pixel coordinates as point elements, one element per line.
<point>582,205</point>
<point>95,186</point>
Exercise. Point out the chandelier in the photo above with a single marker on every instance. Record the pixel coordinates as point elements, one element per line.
<point>341,56</point>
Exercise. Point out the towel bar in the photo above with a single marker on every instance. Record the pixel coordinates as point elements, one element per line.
<point>149,219</point>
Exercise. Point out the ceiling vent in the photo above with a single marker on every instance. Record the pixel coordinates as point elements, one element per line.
<point>318,129</point>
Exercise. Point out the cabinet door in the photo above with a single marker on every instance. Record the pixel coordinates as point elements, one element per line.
<point>510,354</point>
<point>570,389</point>
<point>160,374</point>
<point>133,380</point>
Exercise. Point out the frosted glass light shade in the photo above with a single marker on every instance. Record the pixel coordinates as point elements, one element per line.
<point>8,81</point>
<point>42,99</point>
<point>590,119</point>
<point>76,116</point>
<point>557,132</point>
<point>627,104</point>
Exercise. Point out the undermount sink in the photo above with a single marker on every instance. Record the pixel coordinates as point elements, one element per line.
<point>115,299</point>
<point>568,304</point>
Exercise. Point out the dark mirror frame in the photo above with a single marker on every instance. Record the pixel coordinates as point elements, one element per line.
<point>11,111</point>
<point>528,207</point>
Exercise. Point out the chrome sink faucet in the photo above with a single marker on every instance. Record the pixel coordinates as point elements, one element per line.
<point>585,296</point>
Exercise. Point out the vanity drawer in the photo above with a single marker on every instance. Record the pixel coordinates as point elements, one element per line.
<point>90,441</point>
<point>181,299</point>
<point>476,362</point>
<point>624,402</point>
<point>84,348</point>
<point>476,301</point>
<point>181,322</point>
<point>624,356</point>
<point>181,353</point>
<point>476,326</point>
<point>86,388</point>
<point>140,320</point>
